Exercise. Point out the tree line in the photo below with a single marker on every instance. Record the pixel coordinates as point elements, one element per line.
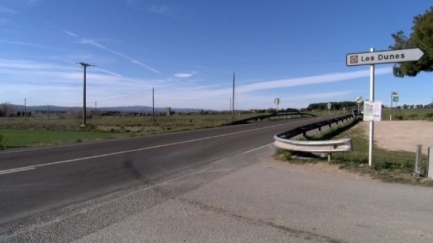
<point>341,105</point>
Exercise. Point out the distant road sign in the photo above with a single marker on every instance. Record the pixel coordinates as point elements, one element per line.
<point>277,101</point>
<point>380,57</point>
<point>329,105</point>
<point>395,99</point>
<point>358,99</point>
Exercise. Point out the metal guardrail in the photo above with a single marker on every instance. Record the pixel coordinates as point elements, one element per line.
<point>288,113</point>
<point>341,145</point>
<point>284,141</point>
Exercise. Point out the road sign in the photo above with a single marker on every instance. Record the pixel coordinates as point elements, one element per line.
<point>358,99</point>
<point>372,110</point>
<point>395,98</point>
<point>380,57</point>
<point>277,101</point>
<point>329,105</point>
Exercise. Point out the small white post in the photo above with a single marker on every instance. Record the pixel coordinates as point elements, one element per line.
<point>371,142</point>
<point>390,111</point>
<point>418,157</point>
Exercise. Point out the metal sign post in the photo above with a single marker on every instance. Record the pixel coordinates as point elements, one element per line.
<point>371,58</point>
<point>394,98</point>
<point>358,101</point>
<point>371,142</point>
<point>277,102</point>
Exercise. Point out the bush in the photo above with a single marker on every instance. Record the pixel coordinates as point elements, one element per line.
<point>398,117</point>
<point>412,116</point>
<point>429,116</point>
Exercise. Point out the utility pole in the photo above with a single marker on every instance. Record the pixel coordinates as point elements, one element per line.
<point>233,99</point>
<point>25,108</point>
<point>85,65</point>
<point>153,104</point>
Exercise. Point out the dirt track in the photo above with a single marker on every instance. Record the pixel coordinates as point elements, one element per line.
<point>402,135</point>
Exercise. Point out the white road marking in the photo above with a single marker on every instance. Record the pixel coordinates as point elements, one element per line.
<point>114,200</point>
<point>140,149</point>
<point>2,172</point>
<point>254,149</point>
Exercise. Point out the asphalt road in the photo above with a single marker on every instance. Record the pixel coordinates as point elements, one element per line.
<point>37,181</point>
<point>248,197</point>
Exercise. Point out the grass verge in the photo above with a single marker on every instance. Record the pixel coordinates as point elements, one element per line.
<point>32,132</point>
<point>389,166</point>
<point>24,138</point>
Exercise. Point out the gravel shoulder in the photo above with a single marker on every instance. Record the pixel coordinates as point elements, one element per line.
<point>270,201</point>
<point>402,135</point>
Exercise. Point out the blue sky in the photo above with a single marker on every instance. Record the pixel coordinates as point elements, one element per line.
<point>188,50</point>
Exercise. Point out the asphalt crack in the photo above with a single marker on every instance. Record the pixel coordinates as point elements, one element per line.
<point>292,232</point>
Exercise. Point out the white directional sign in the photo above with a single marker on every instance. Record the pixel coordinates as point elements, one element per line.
<point>329,105</point>
<point>379,57</point>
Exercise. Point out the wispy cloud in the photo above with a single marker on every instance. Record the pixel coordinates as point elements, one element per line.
<point>98,45</point>
<point>62,84</point>
<point>71,34</point>
<point>19,43</point>
<point>183,75</point>
<point>53,83</point>
<point>3,9</point>
<point>167,10</point>
<point>292,82</point>
<point>33,72</point>
<point>320,79</point>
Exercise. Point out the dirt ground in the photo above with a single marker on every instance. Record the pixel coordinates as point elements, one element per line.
<point>390,135</point>
<point>402,135</point>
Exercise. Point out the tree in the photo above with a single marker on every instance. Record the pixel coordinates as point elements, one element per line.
<point>6,109</point>
<point>421,37</point>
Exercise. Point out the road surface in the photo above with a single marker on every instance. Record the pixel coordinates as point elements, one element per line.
<point>36,181</point>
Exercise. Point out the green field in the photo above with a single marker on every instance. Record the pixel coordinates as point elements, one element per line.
<point>408,114</point>
<point>397,114</point>
<point>29,138</point>
<point>20,132</point>
<point>30,132</point>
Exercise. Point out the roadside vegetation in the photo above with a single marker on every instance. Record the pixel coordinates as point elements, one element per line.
<point>389,166</point>
<point>17,132</point>
<point>397,114</point>
<point>408,114</point>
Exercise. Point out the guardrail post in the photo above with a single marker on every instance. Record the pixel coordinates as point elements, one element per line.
<point>417,169</point>
<point>430,163</point>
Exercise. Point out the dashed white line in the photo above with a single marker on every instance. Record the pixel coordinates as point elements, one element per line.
<point>136,150</point>
<point>2,172</point>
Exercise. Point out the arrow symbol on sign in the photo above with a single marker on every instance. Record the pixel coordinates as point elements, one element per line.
<point>380,57</point>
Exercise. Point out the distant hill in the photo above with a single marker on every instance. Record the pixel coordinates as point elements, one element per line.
<point>145,109</point>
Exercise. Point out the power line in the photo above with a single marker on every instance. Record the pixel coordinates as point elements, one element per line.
<point>120,97</point>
